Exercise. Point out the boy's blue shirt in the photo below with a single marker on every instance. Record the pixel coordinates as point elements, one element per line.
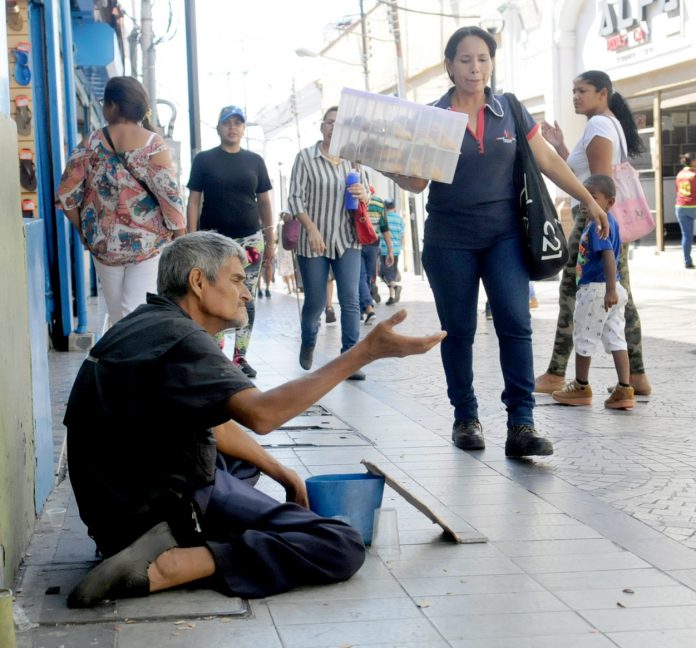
<point>590,267</point>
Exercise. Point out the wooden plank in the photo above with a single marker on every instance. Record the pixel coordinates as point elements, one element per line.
<point>469,535</point>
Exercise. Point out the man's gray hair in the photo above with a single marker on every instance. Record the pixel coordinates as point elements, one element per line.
<point>205,250</point>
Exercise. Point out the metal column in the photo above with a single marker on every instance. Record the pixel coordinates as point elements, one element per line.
<point>192,62</point>
<point>71,139</point>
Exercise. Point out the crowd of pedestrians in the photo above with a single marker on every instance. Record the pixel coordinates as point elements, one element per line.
<point>159,378</point>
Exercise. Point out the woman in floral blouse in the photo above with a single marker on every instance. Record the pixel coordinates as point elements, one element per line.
<point>124,197</point>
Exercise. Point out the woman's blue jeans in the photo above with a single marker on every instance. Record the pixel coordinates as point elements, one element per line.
<point>368,272</point>
<point>686,216</point>
<point>454,277</point>
<point>315,275</point>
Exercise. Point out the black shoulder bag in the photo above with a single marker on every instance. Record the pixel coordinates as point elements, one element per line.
<point>546,245</point>
<point>122,160</point>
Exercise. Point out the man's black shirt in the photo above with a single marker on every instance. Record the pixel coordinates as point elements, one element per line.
<point>139,419</point>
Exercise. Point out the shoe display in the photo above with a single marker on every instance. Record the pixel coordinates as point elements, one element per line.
<point>548,383</point>
<point>374,292</point>
<point>125,573</point>
<point>468,435</point>
<point>369,317</point>
<point>621,398</point>
<point>358,375</point>
<point>573,394</point>
<point>306,357</point>
<point>246,368</point>
<point>397,294</point>
<point>524,441</point>
<point>330,315</point>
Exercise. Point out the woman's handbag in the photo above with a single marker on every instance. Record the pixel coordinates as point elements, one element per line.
<point>546,245</point>
<point>631,208</point>
<point>363,226</point>
<point>290,233</point>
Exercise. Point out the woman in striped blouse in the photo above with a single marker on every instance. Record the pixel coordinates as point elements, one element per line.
<point>327,239</point>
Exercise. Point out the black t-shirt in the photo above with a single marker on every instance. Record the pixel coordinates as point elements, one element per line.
<point>229,183</point>
<point>139,419</point>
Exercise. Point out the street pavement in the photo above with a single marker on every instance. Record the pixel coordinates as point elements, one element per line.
<point>590,548</point>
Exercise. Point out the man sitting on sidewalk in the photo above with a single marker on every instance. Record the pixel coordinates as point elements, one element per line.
<point>150,434</point>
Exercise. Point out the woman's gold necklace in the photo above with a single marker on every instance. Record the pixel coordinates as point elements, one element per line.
<point>334,159</point>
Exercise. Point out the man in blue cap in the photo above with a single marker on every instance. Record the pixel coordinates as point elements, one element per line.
<point>229,192</point>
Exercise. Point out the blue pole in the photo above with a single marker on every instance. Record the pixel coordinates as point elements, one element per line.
<point>41,149</point>
<point>71,126</point>
<point>52,18</point>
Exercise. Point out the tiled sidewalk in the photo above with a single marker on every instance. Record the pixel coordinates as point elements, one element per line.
<point>569,563</point>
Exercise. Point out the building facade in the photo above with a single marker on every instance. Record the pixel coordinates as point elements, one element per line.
<point>648,48</point>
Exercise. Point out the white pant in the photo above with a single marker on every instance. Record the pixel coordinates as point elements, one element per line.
<point>592,324</point>
<point>124,286</point>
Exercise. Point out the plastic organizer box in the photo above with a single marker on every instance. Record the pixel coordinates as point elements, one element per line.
<point>397,136</point>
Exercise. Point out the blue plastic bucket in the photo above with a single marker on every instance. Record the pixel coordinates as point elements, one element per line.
<point>353,497</point>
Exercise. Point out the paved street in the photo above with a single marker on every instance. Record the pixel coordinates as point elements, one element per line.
<point>590,548</point>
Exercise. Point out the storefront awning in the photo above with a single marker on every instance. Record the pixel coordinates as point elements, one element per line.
<point>95,44</point>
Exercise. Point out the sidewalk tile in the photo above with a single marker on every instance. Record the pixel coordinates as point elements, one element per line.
<point>289,613</point>
<point>525,624</point>
<point>223,631</point>
<point>657,618</point>
<point>655,639</point>
<point>471,604</point>
<point>401,632</point>
<point>555,641</point>
<point>641,597</point>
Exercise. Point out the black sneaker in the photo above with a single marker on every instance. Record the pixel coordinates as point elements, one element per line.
<point>369,317</point>
<point>268,292</point>
<point>468,435</point>
<point>330,315</point>
<point>306,357</point>
<point>524,441</point>
<point>246,368</point>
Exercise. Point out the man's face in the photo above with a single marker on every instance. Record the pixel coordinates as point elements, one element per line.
<point>224,301</point>
<point>231,131</point>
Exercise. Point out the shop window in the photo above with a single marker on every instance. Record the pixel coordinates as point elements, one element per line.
<point>678,137</point>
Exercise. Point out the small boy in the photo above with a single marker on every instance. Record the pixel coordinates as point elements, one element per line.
<point>599,306</point>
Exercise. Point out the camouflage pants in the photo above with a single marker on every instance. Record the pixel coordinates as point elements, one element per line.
<point>563,343</point>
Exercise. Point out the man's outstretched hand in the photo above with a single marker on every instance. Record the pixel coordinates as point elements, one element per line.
<point>384,342</point>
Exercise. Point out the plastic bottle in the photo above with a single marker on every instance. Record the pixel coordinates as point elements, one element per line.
<point>351,201</point>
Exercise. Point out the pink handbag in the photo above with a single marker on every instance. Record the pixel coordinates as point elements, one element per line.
<point>631,209</point>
